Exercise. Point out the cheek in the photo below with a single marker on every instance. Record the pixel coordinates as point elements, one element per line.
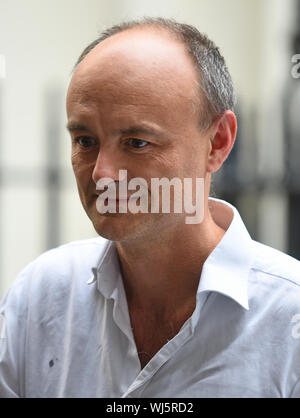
<point>83,175</point>
<point>196,159</point>
<point>82,164</point>
<point>166,162</point>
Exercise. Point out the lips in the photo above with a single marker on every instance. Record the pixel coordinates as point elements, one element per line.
<point>113,198</point>
<point>117,199</point>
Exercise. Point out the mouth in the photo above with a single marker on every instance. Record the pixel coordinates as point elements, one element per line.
<point>118,199</point>
<point>113,199</point>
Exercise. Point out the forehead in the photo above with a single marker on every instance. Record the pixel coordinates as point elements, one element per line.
<point>139,66</point>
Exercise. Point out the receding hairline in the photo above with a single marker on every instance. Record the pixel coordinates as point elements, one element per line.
<point>151,28</point>
<point>155,24</point>
<point>155,30</point>
<point>214,82</point>
<point>194,97</point>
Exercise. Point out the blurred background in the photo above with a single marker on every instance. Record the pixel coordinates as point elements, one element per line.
<point>40,41</point>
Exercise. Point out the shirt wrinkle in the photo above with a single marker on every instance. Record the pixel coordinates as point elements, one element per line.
<point>276,275</point>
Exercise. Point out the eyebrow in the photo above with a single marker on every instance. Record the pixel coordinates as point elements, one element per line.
<point>131,130</point>
<point>139,129</point>
<point>73,126</point>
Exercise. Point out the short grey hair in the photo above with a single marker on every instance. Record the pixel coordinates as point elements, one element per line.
<point>215,80</point>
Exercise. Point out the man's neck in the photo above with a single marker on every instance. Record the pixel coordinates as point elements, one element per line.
<point>163,276</point>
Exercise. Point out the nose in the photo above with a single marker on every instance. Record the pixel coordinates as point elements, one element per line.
<point>107,165</point>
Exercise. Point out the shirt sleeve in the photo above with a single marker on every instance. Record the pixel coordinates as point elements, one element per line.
<point>12,340</point>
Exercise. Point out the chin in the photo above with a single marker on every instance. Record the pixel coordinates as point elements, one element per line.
<point>116,227</point>
<point>128,227</point>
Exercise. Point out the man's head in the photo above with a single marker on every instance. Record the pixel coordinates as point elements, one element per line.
<point>215,85</point>
<point>154,98</point>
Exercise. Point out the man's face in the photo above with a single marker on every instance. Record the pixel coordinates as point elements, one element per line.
<point>133,105</point>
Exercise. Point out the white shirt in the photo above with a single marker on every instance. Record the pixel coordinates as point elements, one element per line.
<point>62,337</point>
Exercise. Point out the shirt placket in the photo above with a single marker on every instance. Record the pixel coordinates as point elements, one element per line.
<point>167,351</point>
<point>160,358</point>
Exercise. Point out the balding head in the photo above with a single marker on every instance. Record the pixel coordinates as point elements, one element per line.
<point>139,62</point>
<point>214,84</point>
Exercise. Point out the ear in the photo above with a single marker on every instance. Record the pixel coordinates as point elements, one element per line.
<point>222,140</point>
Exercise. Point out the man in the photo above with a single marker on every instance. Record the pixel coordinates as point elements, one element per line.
<point>173,309</point>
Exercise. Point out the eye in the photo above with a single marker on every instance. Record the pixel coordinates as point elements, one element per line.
<point>137,143</point>
<point>85,141</point>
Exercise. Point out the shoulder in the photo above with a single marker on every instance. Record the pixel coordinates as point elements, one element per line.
<point>274,280</point>
<point>276,264</point>
<point>75,254</point>
<point>55,272</point>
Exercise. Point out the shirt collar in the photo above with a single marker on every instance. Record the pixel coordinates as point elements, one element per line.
<point>107,272</point>
<point>225,271</point>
